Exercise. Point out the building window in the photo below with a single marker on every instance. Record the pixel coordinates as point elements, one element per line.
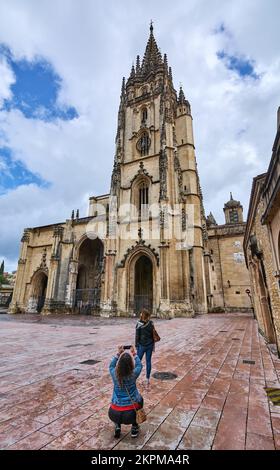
<point>143,201</point>
<point>144,115</point>
<point>213,269</point>
<point>214,287</point>
<point>233,216</point>
<point>143,144</point>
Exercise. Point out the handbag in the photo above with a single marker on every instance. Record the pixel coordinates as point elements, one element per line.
<point>140,413</point>
<point>156,336</point>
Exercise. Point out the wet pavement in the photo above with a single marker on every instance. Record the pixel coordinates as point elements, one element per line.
<point>51,399</point>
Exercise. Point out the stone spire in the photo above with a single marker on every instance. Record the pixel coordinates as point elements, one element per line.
<point>211,220</point>
<point>182,98</point>
<point>132,73</point>
<point>170,74</point>
<point>183,102</point>
<point>138,65</point>
<point>165,62</point>
<point>123,87</point>
<point>152,57</point>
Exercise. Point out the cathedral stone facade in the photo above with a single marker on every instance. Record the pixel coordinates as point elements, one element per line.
<point>146,243</point>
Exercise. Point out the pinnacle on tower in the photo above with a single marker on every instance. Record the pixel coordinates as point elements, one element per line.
<point>165,62</point>
<point>132,73</point>
<point>170,73</point>
<point>123,87</point>
<point>210,220</point>
<point>182,98</point>
<point>138,66</point>
<point>152,56</point>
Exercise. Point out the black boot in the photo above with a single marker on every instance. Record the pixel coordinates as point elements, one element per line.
<point>134,430</point>
<point>117,431</point>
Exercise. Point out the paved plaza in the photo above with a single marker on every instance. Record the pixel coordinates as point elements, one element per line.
<point>49,399</point>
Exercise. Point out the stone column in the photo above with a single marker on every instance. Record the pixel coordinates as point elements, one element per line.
<point>208,279</point>
<point>71,286</point>
<point>51,294</point>
<point>164,302</point>
<point>200,302</point>
<point>186,278</point>
<point>17,304</point>
<point>107,303</point>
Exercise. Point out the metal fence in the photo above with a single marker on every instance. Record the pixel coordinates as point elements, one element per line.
<point>142,301</point>
<point>86,301</point>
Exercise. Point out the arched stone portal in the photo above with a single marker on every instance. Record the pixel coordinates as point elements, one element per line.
<point>143,284</point>
<point>87,294</point>
<point>38,292</point>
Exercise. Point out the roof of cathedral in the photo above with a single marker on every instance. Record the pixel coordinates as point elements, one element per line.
<point>232,202</point>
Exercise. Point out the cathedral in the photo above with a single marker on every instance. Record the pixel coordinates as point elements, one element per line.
<point>146,244</point>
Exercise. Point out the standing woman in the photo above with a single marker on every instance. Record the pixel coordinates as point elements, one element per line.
<point>144,340</point>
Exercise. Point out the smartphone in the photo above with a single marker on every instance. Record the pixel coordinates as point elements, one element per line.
<point>127,346</point>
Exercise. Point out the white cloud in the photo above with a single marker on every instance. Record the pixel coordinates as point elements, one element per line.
<point>91,45</point>
<point>7,78</point>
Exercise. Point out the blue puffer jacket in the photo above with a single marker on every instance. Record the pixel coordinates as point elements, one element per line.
<point>120,396</point>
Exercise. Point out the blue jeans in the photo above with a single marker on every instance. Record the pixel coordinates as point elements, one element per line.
<point>141,350</point>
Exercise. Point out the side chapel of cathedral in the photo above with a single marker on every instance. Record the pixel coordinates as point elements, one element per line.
<point>62,269</point>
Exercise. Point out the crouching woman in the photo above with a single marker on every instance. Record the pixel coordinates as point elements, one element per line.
<point>125,368</point>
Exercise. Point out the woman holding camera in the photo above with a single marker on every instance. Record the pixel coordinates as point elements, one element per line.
<point>125,368</point>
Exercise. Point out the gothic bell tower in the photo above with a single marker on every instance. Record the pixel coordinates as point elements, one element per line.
<point>155,164</point>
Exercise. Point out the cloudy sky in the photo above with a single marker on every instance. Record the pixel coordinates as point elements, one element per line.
<point>61,66</point>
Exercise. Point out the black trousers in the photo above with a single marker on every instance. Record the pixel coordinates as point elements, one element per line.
<point>124,417</point>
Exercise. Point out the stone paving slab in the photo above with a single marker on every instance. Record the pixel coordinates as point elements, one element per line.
<point>50,400</point>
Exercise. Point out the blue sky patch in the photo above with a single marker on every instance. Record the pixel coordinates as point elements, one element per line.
<point>36,90</point>
<point>244,67</point>
<point>13,173</point>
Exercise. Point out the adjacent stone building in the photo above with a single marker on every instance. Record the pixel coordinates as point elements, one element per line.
<point>262,245</point>
<point>145,244</point>
<point>230,283</point>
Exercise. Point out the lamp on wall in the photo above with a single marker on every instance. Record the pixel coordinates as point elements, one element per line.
<point>228,284</point>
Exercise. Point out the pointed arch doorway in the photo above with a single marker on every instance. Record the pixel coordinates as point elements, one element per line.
<point>143,284</point>
<point>87,292</point>
<point>38,291</point>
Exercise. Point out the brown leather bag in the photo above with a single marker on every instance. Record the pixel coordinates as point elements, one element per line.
<point>141,416</point>
<point>156,336</point>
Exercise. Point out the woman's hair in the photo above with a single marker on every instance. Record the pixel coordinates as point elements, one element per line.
<point>145,315</point>
<point>124,368</point>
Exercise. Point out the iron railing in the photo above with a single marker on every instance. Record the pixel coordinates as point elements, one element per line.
<point>86,301</point>
<point>142,301</point>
